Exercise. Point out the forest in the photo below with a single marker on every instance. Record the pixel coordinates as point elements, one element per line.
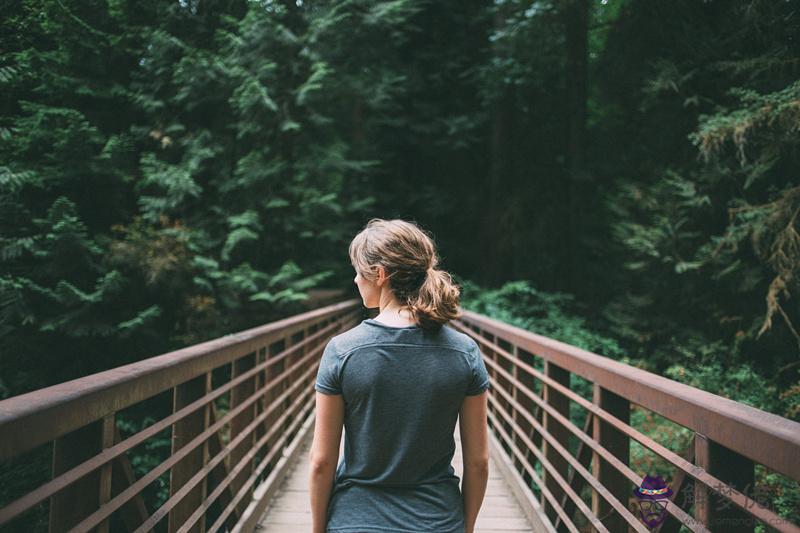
<point>619,175</point>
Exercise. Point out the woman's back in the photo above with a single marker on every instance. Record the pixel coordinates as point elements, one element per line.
<point>402,389</point>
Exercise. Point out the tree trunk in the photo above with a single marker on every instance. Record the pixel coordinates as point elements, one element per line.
<point>576,25</point>
<point>495,233</point>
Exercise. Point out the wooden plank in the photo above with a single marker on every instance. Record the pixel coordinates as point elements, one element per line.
<point>289,510</point>
<point>265,492</point>
<point>519,489</point>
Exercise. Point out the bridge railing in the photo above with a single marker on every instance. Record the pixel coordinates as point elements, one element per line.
<point>239,406</point>
<point>582,471</point>
<point>237,409</point>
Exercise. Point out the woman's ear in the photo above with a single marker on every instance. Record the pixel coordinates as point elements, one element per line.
<point>381,276</point>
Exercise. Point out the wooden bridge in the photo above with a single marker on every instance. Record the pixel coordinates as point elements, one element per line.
<point>237,414</point>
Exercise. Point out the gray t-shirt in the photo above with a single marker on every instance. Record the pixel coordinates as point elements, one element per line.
<point>402,390</point>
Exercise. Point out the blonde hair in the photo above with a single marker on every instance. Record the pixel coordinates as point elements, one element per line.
<point>409,256</point>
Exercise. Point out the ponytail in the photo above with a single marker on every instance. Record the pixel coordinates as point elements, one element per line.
<point>437,301</point>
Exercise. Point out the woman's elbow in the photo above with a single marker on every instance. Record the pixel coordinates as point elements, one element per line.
<point>321,464</point>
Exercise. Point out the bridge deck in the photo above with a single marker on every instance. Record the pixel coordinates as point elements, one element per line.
<point>289,510</point>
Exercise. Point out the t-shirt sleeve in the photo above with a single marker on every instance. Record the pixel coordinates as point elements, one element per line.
<point>328,373</point>
<point>479,381</point>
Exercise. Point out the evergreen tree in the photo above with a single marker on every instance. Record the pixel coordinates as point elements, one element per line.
<point>706,216</point>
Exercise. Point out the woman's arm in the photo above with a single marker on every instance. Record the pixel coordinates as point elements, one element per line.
<point>324,455</point>
<point>475,455</point>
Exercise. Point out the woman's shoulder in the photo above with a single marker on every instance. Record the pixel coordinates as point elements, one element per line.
<point>362,335</point>
<point>350,339</point>
<point>458,339</point>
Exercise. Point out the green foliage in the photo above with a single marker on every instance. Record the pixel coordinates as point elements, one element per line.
<point>670,435</point>
<point>55,296</point>
<point>708,235</point>
<point>167,176</point>
<point>552,315</point>
<point>175,171</point>
<point>737,382</point>
<point>780,494</point>
<point>20,475</point>
<point>763,120</point>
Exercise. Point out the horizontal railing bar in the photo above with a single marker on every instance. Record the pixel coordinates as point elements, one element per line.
<point>582,454</point>
<point>532,371</point>
<point>530,470</point>
<point>53,486</point>
<point>261,466</point>
<point>74,474</point>
<point>63,406</point>
<point>266,490</point>
<point>188,524</point>
<point>676,511</point>
<point>740,500</point>
<point>616,504</point>
<point>497,427</point>
<point>218,490</point>
<point>40,416</point>
<point>162,511</point>
<point>105,511</point>
<point>766,438</point>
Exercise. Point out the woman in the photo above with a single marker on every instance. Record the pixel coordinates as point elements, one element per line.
<point>398,383</point>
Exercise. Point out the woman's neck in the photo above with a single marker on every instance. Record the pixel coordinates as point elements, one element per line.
<point>394,315</point>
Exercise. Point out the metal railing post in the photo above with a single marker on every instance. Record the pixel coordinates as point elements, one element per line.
<point>619,445</point>
<point>183,431</point>
<point>734,470</point>
<point>239,394</point>
<point>560,403</point>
